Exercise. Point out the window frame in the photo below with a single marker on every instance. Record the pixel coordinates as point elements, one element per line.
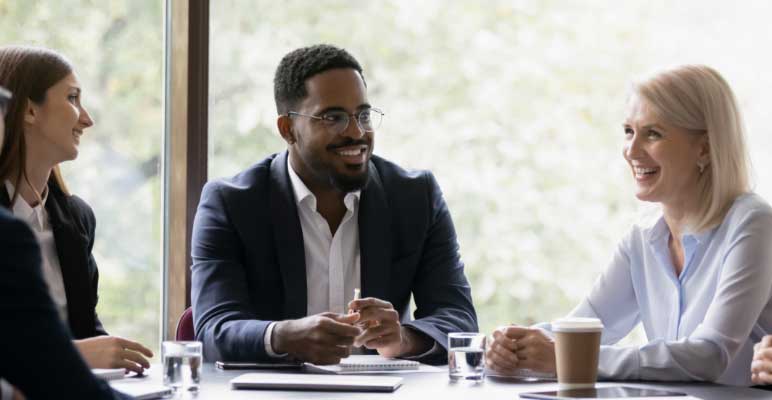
<point>186,86</point>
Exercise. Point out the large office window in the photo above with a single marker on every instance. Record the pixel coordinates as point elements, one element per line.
<point>117,50</point>
<point>516,106</point>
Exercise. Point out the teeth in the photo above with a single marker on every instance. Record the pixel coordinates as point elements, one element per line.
<point>642,171</point>
<point>351,152</point>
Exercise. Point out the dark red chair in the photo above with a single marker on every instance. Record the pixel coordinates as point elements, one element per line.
<point>185,326</point>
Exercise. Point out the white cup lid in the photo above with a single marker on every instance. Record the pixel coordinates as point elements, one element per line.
<point>577,325</point>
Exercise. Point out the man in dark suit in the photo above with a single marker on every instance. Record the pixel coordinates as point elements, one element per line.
<point>36,351</point>
<point>279,249</point>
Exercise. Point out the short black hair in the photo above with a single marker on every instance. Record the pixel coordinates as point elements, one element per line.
<point>289,83</point>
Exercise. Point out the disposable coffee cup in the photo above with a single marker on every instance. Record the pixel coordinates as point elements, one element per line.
<point>577,344</point>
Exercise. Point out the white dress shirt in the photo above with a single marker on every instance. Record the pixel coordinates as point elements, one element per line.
<point>37,218</point>
<point>702,324</point>
<point>332,260</point>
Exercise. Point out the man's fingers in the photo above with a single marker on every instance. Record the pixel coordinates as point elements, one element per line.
<point>360,304</point>
<point>333,326</point>
<point>327,339</point>
<point>378,314</point>
<point>341,351</point>
<point>131,345</point>
<point>385,329</point>
<point>382,341</point>
<point>348,319</point>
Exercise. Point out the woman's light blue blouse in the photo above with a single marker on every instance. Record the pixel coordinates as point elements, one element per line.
<point>700,325</point>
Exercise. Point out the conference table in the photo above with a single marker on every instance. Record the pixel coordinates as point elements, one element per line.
<point>430,385</point>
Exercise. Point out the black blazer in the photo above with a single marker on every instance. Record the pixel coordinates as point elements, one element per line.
<point>249,262</point>
<point>73,223</point>
<point>36,353</point>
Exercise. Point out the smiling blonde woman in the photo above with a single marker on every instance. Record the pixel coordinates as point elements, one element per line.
<point>699,279</point>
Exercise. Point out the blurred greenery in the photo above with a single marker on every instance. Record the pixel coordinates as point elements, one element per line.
<point>515,106</point>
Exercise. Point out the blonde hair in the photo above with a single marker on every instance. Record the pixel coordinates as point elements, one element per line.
<point>697,98</point>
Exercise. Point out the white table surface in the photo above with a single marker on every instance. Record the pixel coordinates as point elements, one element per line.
<point>428,386</point>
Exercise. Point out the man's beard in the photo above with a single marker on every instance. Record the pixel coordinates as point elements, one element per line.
<point>350,183</point>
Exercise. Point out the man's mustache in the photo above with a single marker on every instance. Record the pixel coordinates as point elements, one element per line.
<point>349,142</point>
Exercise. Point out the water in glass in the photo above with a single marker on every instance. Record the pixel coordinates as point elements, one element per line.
<point>182,366</point>
<point>466,356</point>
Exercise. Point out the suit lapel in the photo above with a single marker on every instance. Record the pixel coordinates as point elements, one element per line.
<point>289,239</point>
<point>375,238</point>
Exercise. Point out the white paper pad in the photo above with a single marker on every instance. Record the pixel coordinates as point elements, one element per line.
<point>371,364</point>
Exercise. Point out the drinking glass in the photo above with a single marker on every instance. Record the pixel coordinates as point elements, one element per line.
<point>182,365</point>
<point>466,356</point>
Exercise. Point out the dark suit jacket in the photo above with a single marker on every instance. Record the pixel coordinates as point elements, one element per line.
<point>249,261</point>
<point>72,222</point>
<point>36,352</point>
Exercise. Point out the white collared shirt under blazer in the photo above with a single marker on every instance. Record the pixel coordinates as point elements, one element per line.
<point>333,267</point>
<point>701,325</point>
<point>37,219</point>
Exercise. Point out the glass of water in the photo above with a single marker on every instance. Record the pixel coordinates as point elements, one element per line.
<point>466,356</point>
<point>182,365</point>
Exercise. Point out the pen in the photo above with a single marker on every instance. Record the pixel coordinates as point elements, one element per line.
<point>357,296</point>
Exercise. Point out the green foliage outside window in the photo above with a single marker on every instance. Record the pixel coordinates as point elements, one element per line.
<point>516,106</point>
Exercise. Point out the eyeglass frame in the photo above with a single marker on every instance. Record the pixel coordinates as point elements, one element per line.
<point>348,121</point>
<point>5,100</point>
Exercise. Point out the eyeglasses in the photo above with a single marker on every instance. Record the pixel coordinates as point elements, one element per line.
<point>5,100</point>
<point>337,121</point>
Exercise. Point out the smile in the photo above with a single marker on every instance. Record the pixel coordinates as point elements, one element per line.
<point>353,152</point>
<point>642,173</point>
<point>356,154</point>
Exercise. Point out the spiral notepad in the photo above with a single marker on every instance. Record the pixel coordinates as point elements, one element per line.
<point>364,364</point>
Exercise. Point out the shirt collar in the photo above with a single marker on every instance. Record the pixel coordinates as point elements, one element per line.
<point>660,231</point>
<point>35,216</point>
<point>302,192</point>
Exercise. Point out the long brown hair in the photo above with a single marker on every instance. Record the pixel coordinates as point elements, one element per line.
<point>28,72</point>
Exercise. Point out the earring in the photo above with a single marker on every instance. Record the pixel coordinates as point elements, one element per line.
<point>701,166</point>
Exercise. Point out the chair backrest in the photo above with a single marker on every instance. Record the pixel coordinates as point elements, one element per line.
<point>185,326</point>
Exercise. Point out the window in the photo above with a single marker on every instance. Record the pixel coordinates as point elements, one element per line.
<point>117,51</point>
<point>516,107</point>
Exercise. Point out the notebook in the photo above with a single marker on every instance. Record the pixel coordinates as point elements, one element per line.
<point>256,380</point>
<point>364,364</point>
